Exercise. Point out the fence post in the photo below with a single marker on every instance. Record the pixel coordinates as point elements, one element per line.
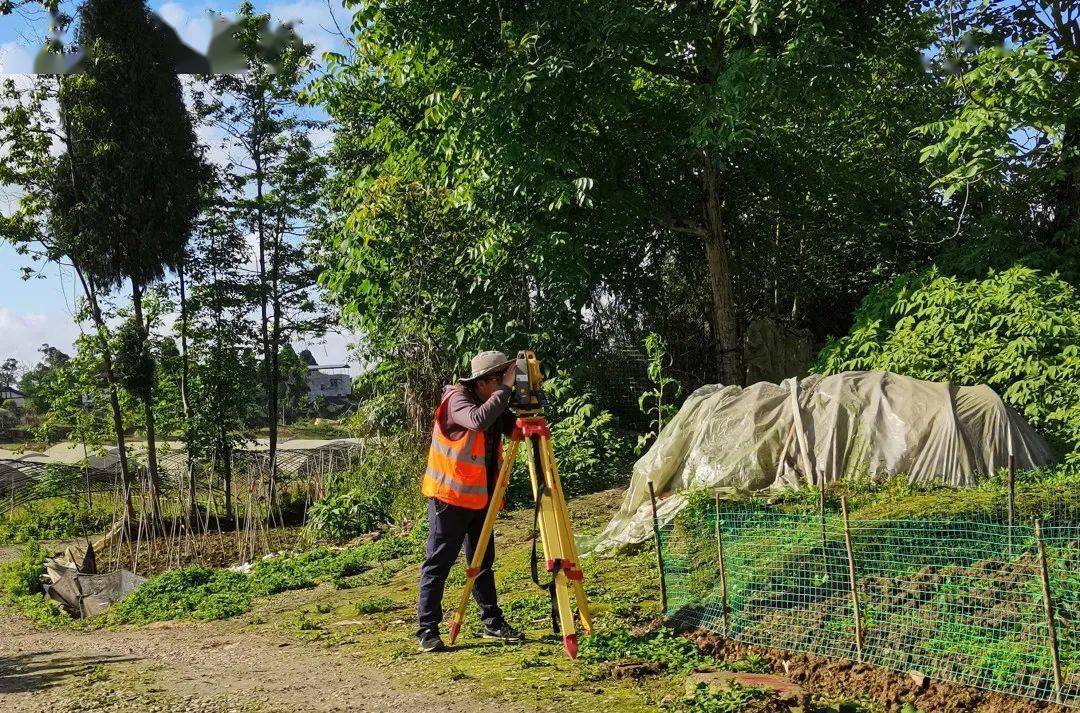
<point>659,551</point>
<point>723,568</point>
<point>1048,606</point>
<point>1012,499</point>
<point>851,579</point>
<point>821,517</point>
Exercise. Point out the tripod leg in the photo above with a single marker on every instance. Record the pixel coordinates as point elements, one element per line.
<point>552,545</point>
<point>566,615</point>
<point>553,541</point>
<point>567,534</point>
<point>471,573</point>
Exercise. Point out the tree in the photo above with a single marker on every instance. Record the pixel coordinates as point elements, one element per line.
<point>30,132</point>
<point>275,189</point>
<point>598,148</point>
<point>32,382</point>
<point>222,377</point>
<point>9,371</point>
<point>1015,123</point>
<point>292,383</point>
<point>128,202</point>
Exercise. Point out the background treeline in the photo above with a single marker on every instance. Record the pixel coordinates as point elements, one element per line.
<point>191,256</point>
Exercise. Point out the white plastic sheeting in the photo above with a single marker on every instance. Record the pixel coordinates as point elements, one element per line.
<point>859,423</point>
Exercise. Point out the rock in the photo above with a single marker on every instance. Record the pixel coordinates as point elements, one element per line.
<point>919,679</point>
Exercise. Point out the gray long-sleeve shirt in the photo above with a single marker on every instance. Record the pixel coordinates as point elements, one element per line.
<point>466,412</point>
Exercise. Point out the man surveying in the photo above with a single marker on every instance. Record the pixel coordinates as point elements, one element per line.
<point>463,465</point>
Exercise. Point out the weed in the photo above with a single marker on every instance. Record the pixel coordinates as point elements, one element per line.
<point>304,622</point>
<point>672,651</point>
<point>535,661</point>
<point>51,521</point>
<point>20,588</point>
<point>751,663</point>
<point>730,700</point>
<point>376,605</point>
<point>203,593</point>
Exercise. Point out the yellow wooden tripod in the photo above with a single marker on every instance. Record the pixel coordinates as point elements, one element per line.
<point>551,515</point>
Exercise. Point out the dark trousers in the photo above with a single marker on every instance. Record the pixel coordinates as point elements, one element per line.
<point>449,527</point>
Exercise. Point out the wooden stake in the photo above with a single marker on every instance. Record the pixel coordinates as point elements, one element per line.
<point>851,579</point>
<point>1012,499</point>
<point>1048,606</point>
<point>723,568</point>
<point>821,517</point>
<point>659,550</point>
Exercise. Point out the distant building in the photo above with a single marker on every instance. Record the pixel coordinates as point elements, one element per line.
<point>10,393</point>
<point>329,381</point>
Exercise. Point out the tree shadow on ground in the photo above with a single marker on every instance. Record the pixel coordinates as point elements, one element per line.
<point>41,670</point>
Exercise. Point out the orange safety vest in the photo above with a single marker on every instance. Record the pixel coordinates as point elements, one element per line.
<point>456,472</point>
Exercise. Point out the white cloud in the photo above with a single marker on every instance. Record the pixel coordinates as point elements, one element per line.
<point>15,59</point>
<point>23,333</point>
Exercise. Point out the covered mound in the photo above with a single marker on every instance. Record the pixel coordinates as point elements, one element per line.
<point>857,423</point>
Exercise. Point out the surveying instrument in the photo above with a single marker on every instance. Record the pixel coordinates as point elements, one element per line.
<point>550,514</point>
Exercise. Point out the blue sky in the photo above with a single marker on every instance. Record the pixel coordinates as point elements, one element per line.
<point>40,310</point>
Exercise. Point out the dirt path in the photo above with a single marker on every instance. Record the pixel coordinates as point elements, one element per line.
<point>193,667</point>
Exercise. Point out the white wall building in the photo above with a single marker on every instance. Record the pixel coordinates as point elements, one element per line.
<point>8,393</point>
<point>329,380</point>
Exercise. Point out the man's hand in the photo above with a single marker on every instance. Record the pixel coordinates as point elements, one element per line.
<point>509,375</point>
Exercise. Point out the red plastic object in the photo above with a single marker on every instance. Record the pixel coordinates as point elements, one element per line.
<point>533,427</point>
<point>569,642</point>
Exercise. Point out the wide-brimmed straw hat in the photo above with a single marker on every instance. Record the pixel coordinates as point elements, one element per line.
<point>486,363</point>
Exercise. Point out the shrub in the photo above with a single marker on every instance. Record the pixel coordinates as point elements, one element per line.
<point>20,588</point>
<point>348,514</point>
<point>590,451</point>
<point>382,488</point>
<point>1017,331</point>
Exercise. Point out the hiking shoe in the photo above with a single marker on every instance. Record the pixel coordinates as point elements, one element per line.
<point>502,631</point>
<point>430,641</point>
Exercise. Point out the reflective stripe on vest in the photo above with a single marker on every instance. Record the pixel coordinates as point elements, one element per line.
<point>456,470</point>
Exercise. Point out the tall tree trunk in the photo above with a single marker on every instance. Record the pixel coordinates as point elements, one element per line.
<point>185,369</point>
<point>114,395</point>
<point>275,363</point>
<point>1066,192</point>
<point>266,292</point>
<point>153,475</point>
<point>225,457</point>
<point>725,313</point>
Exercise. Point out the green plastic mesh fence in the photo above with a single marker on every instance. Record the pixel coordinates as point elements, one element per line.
<point>960,600</point>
